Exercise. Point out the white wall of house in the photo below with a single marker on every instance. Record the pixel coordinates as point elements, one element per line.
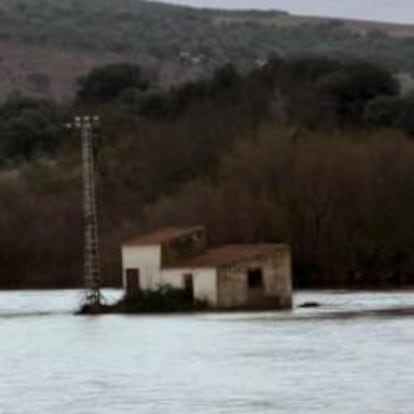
<point>173,278</point>
<point>205,285</point>
<point>204,282</point>
<point>147,259</point>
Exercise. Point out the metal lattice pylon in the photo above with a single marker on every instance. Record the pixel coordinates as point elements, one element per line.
<point>92,273</point>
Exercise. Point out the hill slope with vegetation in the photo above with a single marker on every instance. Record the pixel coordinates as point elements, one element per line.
<point>314,152</point>
<point>177,42</point>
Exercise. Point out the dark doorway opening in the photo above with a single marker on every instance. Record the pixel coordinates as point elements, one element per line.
<point>132,280</point>
<point>189,285</point>
<point>255,279</point>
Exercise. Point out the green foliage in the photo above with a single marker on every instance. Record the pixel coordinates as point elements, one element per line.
<point>211,37</point>
<point>352,86</point>
<point>383,111</point>
<point>397,112</point>
<point>29,129</point>
<point>109,82</point>
<point>233,152</point>
<point>163,299</point>
<point>313,68</point>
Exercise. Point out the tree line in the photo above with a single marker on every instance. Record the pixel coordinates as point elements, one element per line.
<point>306,151</point>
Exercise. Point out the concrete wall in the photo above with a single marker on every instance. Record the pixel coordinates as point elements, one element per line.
<point>145,258</point>
<point>276,293</point>
<point>204,281</point>
<point>232,286</point>
<point>279,276</point>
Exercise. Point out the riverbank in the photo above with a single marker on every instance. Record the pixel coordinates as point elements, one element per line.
<point>165,299</point>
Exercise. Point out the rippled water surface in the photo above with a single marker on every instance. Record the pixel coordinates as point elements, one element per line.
<point>304,361</point>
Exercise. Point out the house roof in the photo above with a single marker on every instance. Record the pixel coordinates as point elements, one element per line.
<point>162,236</point>
<point>228,254</point>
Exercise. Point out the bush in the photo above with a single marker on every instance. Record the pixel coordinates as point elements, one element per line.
<point>391,113</point>
<point>163,299</point>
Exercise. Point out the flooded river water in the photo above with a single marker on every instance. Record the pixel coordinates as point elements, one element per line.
<point>326,360</point>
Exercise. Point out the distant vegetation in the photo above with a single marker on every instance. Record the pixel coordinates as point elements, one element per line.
<point>207,38</point>
<point>317,92</point>
<point>29,129</point>
<point>314,152</point>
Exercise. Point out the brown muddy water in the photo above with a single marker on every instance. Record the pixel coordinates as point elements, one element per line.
<point>339,358</point>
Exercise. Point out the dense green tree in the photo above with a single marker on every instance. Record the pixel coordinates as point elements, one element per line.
<point>352,86</point>
<point>397,112</point>
<point>383,111</point>
<point>313,68</point>
<point>105,84</point>
<point>30,129</point>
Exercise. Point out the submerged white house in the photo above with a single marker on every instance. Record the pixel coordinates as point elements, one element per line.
<point>239,276</point>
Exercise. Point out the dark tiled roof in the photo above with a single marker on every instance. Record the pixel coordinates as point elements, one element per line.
<point>229,254</point>
<point>162,236</point>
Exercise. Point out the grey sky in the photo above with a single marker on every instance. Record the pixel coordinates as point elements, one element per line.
<point>384,10</point>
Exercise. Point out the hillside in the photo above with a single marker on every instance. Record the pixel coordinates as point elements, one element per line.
<point>46,45</point>
<point>283,19</point>
<point>47,71</point>
<point>270,155</point>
